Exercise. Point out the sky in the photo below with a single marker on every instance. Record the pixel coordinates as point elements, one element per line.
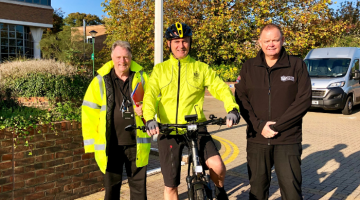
<point>94,6</point>
<point>82,6</point>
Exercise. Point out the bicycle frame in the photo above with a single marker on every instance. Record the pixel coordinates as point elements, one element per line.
<point>198,180</point>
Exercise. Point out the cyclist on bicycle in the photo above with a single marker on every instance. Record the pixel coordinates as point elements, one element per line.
<point>180,83</point>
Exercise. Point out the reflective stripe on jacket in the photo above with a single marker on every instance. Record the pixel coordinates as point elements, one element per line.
<point>96,112</point>
<point>181,85</point>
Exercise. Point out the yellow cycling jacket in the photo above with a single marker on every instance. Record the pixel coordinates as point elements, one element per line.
<point>96,112</point>
<point>181,87</point>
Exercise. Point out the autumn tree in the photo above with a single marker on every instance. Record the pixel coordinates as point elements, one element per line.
<point>225,31</point>
<point>58,21</point>
<point>76,19</point>
<point>349,12</point>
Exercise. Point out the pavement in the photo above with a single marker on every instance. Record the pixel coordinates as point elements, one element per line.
<point>330,159</point>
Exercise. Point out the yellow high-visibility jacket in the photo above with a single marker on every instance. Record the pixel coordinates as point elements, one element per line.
<point>97,109</point>
<point>181,85</point>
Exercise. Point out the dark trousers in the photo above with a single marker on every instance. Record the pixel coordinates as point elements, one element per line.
<point>117,157</point>
<point>286,159</point>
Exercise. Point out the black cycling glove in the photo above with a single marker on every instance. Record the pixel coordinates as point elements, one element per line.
<point>234,116</point>
<point>151,124</point>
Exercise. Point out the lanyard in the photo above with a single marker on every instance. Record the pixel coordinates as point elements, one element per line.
<point>126,102</point>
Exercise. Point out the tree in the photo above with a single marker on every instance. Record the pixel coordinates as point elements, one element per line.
<point>349,12</point>
<point>58,21</point>
<point>66,46</point>
<point>76,19</point>
<point>225,31</point>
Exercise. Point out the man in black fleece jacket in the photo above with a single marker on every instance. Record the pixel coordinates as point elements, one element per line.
<point>274,95</point>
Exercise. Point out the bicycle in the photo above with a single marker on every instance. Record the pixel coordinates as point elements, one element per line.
<point>198,182</point>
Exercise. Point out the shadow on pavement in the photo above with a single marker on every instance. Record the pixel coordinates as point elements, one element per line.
<point>237,181</point>
<point>341,182</point>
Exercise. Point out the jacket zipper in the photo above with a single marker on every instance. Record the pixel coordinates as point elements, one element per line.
<point>269,72</point>
<point>178,96</point>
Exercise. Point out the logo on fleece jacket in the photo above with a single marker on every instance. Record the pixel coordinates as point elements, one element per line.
<point>287,78</point>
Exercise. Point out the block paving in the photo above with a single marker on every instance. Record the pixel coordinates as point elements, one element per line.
<point>330,159</point>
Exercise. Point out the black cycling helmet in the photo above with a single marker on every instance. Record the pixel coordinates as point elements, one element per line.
<point>178,30</point>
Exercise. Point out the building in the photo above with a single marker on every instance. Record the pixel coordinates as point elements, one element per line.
<point>22,23</point>
<point>100,35</point>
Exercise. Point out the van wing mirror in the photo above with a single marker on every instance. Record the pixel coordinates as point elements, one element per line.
<point>356,75</point>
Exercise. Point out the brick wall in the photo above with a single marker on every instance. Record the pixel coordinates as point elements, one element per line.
<point>36,102</point>
<point>26,13</point>
<point>57,169</point>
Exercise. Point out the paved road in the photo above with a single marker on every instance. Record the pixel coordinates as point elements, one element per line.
<point>330,160</point>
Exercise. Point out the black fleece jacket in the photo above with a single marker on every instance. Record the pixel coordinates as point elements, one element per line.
<point>281,93</point>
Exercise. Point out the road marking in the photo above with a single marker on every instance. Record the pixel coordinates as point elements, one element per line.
<point>234,148</point>
<point>226,146</point>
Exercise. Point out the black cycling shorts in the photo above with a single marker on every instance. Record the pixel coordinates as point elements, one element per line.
<point>170,151</point>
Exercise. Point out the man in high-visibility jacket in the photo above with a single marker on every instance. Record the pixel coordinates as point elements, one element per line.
<point>106,111</point>
<point>181,82</point>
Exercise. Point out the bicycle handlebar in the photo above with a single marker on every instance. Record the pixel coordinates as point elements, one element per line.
<point>189,126</point>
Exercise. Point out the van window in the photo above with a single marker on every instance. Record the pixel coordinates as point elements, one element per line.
<point>327,67</point>
<point>355,67</point>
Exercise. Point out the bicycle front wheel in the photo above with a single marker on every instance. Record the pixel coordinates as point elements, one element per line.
<point>200,194</point>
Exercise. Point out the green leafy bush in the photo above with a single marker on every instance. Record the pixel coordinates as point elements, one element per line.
<point>50,86</point>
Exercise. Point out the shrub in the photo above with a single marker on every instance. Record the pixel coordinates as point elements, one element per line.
<point>44,78</point>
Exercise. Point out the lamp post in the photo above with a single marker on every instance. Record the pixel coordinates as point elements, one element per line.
<point>93,34</point>
<point>159,24</point>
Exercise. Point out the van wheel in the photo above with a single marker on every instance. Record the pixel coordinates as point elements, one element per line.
<point>348,106</point>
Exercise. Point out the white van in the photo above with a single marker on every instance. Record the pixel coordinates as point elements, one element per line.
<point>335,78</point>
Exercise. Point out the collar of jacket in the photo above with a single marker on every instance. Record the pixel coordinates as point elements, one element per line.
<point>106,68</point>
<point>175,61</point>
<point>283,60</point>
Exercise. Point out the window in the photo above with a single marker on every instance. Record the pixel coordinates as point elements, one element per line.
<point>15,40</point>
<point>41,2</point>
<point>328,67</point>
<point>354,67</point>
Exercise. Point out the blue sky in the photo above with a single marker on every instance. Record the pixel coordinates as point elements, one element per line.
<point>82,6</point>
<point>94,6</point>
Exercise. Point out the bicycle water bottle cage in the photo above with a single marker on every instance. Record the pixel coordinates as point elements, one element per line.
<point>191,118</point>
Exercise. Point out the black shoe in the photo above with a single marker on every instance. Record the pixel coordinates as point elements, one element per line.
<point>220,194</point>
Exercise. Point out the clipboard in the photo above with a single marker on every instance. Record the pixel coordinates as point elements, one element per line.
<point>137,96</point>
